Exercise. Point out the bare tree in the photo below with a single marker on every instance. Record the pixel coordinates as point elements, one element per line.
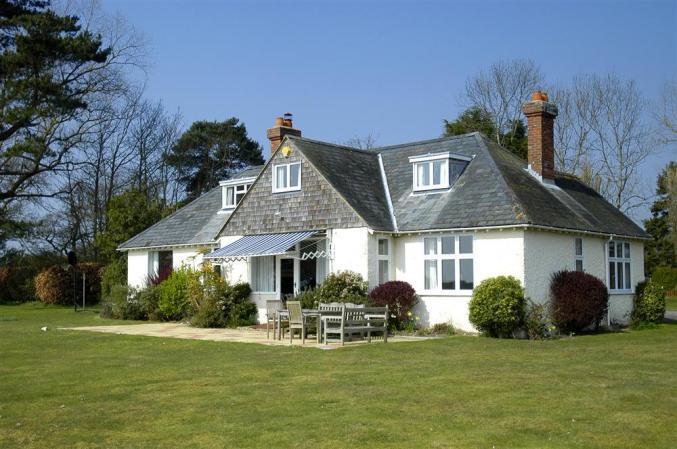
<point>502,90</point>
<point>667,113</point>
<point>367,142</point>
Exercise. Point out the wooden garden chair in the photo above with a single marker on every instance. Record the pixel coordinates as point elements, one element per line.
<point>272,308</point>
<point>297,321</point>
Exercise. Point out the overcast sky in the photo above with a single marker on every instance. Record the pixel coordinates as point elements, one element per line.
<point>394,69</point>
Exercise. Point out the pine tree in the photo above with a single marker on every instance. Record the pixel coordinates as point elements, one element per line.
<point>660,252</point>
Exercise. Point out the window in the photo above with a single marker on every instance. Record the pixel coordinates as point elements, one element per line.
<point>232,195</point>
<point>262,273</point>
<point>287,177</point>
<point>619,266</point>
<point>383,261</point>
<point>430,175</point>
<point>448,263</point>
<point>159,265</point>
<point>578,253</point>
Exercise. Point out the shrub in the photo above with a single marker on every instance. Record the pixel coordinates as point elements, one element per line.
<point>665,277</point>
<point>309,298</point>
<point>399,296</point>
<point>578,300</point>
<point>15,284</point>
<point>122,304</point>
<point>537,321</point>
<point>497,306</point>
<point>240,310</point>
<point>649,304</point>
<point>438,329</point>
<point>54,285</point>
<point>215,303</point>
<point>115,273</point>
<point>173,301</point>
<point>341,285</point>
<point>149,300</point>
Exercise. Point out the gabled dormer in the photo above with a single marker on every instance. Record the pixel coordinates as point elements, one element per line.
<point>434,172</point>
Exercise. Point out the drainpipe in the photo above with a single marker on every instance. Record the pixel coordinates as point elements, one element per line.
<point>606,270</point>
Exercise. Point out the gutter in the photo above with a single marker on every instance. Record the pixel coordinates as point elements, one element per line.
<point>518,226</point>
<point>180,245</point>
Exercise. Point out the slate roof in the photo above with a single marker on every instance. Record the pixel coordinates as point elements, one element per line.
<point>195,223</point>
<point>249,172</point>
<point>354,174</point>
<point>494,189</point>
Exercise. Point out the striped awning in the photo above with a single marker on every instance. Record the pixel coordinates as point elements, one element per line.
<point>260,245</point>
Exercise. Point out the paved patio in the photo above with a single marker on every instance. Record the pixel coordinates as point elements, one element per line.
<point>239,335</point>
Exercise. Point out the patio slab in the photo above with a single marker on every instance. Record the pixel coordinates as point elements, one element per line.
<point>239,335</point>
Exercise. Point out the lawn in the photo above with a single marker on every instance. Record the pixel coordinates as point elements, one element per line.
<point>86,390</point>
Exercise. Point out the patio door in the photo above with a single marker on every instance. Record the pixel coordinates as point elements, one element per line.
<point>287,278</point>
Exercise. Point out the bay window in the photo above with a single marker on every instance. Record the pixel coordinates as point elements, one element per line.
<point>620,276</point>
<point>448,263</point>
<point>287,177</point>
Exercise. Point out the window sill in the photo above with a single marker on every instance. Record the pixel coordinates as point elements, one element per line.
<point>621,292</point>
<point>287,190</point>
<point>431,189</point>
<point>446,293</point>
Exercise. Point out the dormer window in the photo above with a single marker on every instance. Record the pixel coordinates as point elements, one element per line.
<point>232,192</point>
<point>436,171</point>
<point>232,195</point>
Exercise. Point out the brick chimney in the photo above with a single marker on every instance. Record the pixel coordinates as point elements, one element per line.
<point>540,122</point>
<point>283,127</point>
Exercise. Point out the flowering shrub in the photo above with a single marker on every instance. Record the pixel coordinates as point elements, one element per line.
<point>649,304</point>
<point>400,297</point>
<point>578,300</point>
<point>343,286</point>
<point>497,306</point>
<point>537,321</point>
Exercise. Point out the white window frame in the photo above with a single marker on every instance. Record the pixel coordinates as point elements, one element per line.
<point>626,262</point>
<point>238,189</point>
<point>444,175</point>
<point>456,256</point>
<point>287,180</point>
<point>578,257</point>
<point>383,258</point>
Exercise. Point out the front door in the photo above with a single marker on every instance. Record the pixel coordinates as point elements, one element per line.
<point>286,277</point>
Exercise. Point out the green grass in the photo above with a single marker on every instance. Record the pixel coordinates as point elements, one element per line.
<point>671,303</point>
<point>71,389</point>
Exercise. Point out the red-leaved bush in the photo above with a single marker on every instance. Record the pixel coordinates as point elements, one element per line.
<point>399,296</point>
<point>579,300</point>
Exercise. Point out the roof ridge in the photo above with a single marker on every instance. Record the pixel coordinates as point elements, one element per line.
<point>483,144</point>
<point>420,142</point>
<point>331,144</point>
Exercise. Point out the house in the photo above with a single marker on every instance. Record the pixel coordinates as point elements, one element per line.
<point>183,237</point>
<point>441,214</point>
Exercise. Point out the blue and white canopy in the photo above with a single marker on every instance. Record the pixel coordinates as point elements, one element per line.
<point>260,245</point>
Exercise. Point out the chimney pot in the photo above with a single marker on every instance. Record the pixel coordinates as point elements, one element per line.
<point>283,127</point>
<point>540,126</point>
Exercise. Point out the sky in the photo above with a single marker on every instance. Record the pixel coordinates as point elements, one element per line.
<point>392,69</point>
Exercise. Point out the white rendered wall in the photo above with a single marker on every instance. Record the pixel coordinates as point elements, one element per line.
<point>187,258</point>
<point>495,253</point>
<point>547,252</point>
<point>350,250</point>
<point>137,268</point>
